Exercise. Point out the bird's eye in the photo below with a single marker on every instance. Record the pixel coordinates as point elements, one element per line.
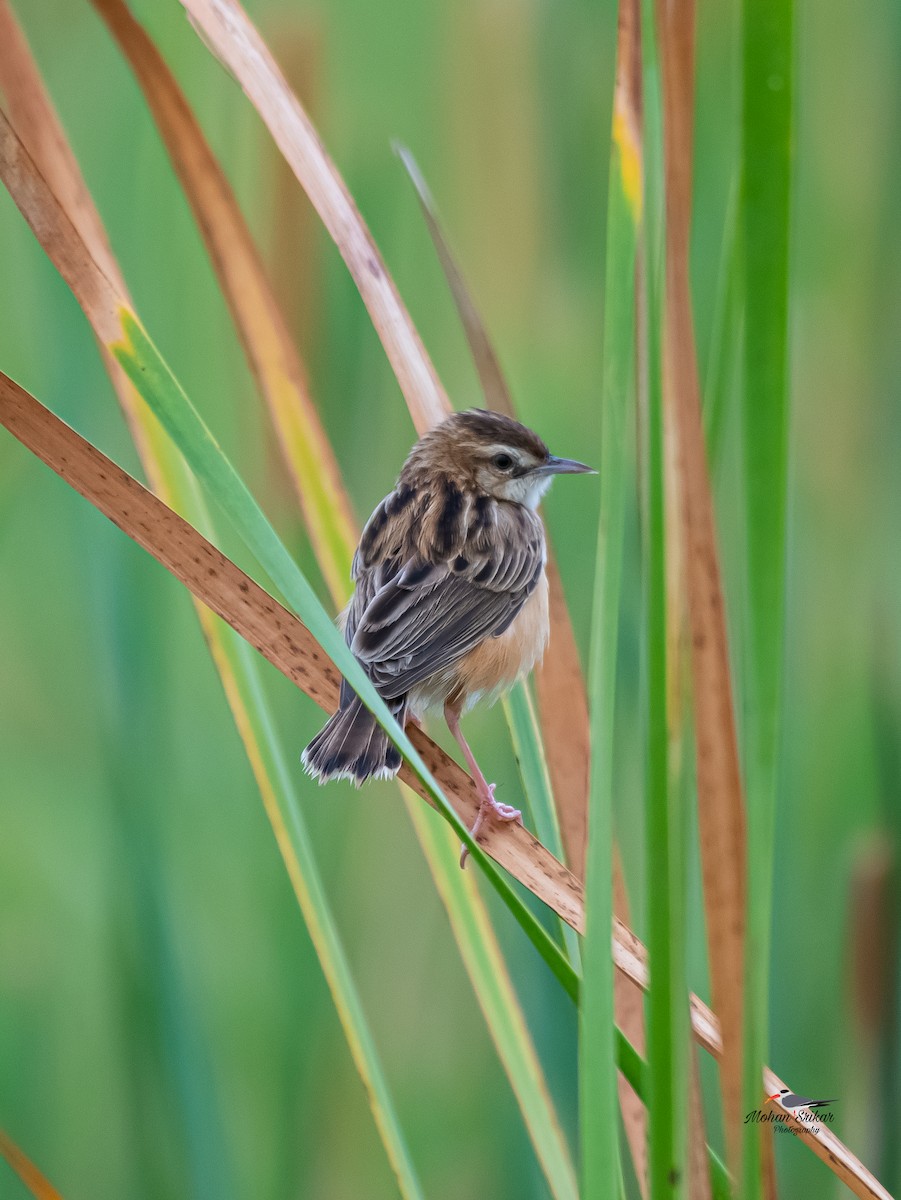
<point>503,462</point>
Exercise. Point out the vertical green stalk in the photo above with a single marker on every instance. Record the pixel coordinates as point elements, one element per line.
<point>601,1170</point>
<point>665,1003</point>
<point>766,196</point>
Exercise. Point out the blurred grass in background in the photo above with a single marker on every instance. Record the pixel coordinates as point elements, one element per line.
<point>164,1025</point>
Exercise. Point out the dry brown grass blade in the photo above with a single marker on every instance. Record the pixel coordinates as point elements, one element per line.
<point>95,291</point>
<point>267,340</point>
<point>32,115</point>
<point>231,36</point>
<point>281,638</point>
<point>488,367</point>
<point>39,1186</point>
<point>563,709</point>
<point>720,799</point>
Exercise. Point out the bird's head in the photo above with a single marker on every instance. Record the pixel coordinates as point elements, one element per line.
<point>491,453</point>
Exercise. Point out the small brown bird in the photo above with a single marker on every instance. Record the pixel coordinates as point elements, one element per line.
<point>450,605</point>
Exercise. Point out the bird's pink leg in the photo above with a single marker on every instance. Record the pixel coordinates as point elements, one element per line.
<point>488,806</point>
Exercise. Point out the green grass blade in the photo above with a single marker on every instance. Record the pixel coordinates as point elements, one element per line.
<point>767,124</point>
<point>528,749</point>
<point>484,961</point>
<point>665,1001</point>
<point>597,1063</point>
<point>148,372</point>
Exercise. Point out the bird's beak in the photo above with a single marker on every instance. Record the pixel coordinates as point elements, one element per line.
<point>564,466</point>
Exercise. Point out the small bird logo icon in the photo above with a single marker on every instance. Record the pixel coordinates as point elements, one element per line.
<point>450,605</point>
<point>791,1100</point>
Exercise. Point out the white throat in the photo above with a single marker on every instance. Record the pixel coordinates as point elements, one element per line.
<point>528,490</point>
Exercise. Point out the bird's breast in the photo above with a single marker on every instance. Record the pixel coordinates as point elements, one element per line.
<point>492,667</point>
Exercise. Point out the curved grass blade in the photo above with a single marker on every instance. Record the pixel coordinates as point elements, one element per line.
<point>597,1071</point>
<point>37,1183</point>
<point>491,377</point>
<point>719,784</point>
<point>766,189</point>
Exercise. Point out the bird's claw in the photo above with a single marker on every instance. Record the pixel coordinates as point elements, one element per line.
<point>490,807</point>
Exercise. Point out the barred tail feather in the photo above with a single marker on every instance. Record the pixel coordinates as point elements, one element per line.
<point>351,745</point>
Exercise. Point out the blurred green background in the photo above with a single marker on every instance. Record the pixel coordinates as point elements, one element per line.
<point>164,1026</point>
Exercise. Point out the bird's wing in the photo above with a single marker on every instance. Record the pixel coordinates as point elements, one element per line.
<point>416,613</point>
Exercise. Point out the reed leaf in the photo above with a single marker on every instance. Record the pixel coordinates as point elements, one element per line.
<point>663,828</point>
<point>719,784</point>
<point>597,1072</point>
<point>766,184</point>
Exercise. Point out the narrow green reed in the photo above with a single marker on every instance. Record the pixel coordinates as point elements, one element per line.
<point>663,832</point>
<point>767,139</point>
<point>598,1101</point>
<point>528,749</point>
<point>149,373</point>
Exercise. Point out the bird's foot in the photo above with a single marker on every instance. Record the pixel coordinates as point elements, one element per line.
<point>493,810</point>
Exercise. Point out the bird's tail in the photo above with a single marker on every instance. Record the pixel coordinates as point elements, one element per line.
<point>351,745</point>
